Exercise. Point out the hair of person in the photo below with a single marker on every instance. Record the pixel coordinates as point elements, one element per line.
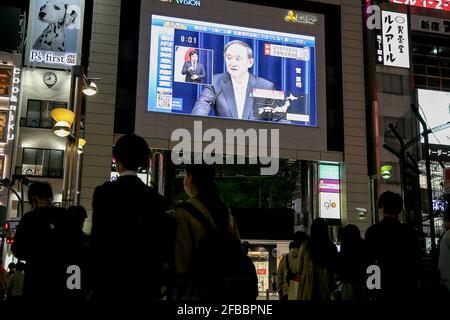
<point>294,244</point>
<point>11,265</point>
<point>246,246</point>
<point>40,190</point>
<point>242,43</point>
<point>391,203</point>
<point>208,193</point>
<point>446,215</point>
<point>351,238</point>
<point>20,266</point>
<point>320,242</point>
<point>300,237</point>
<point>79,212</point>
<point>192,53</point>
<point>132,152</point>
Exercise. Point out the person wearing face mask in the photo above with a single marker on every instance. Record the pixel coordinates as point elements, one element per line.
<point>231,94</point>
<point>206,201</point>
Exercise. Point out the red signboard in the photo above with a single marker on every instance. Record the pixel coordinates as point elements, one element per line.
<point>261,271</point>
<point>430,4</point>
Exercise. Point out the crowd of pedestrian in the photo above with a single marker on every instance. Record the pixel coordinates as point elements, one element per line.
<point>196,254</point>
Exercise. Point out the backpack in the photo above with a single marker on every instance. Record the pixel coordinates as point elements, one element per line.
<point>221,269</point>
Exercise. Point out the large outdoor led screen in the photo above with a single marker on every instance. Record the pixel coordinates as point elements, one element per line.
<point>211,69</point>
<point>435,109</point>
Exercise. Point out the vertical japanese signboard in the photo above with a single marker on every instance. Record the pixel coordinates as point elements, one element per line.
<point>329,191</point>
<point>395,39</point>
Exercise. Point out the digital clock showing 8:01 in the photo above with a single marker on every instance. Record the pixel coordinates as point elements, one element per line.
<point>188,39</point>
<point>430,4</point>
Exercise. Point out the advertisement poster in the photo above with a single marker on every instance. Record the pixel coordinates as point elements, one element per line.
<point>4,126</point>
<point>55,31</point>
<point>329,191</point>
<point>434,106</point>
<point>210,69</point>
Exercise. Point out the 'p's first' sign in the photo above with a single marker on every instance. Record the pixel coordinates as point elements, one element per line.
<point>395,39</point>
<point>55,28</point>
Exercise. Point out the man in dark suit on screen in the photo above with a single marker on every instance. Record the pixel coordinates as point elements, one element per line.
<point>231,94</point>
<point>194,70</point>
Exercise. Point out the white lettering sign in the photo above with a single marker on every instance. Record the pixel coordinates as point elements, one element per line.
<point>13,103</point>
<point>395,39</point>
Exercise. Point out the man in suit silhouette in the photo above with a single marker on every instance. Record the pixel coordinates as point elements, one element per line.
<point>194,70</point>
<point>231,94</point>
<point>129,222</point>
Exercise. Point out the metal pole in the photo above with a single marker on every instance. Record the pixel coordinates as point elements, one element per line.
<point>430,190</point>
<point>76,137</point>
<point>371,90</point>
<point>402,158</point>
<point>71,165</point>
<point>430,199</point>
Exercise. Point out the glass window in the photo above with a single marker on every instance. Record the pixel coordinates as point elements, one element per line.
<point>433,71</point>
<point>419,69</point>
<point>420,81</point>
<point>39,113</point>
<point>434,83</point>
<point>42,162</point>
<point>5,81</point>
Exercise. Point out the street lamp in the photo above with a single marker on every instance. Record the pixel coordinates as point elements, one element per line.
<point>81,144</point>
<point>64,118</point>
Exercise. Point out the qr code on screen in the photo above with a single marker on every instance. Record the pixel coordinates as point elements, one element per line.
<point>164,101</point>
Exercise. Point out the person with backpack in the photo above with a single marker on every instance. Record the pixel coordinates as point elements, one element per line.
<point>48,238</point>
<point>288,270</point>
<point>316,264</point>
<point>210,263</point>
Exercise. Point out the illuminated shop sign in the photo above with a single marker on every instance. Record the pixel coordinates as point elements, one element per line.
<point>329,191</point>
<point>435,108</point>
<point>430,25</point>
<point>55,29</point>
<point>429,4</point>
<point>13,103</point>
<point>395,39</point>
<point>300,18</point>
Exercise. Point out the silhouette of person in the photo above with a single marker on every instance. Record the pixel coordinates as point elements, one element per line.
<point>130,208</point>
<point>48,238</point>
<point>193,281</point>
<point>395,248</point>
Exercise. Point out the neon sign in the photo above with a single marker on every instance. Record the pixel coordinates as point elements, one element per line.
<point>13,103</point>
<point>429,4</point>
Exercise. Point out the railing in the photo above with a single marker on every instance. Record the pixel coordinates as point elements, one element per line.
<point>36,123</point>
<point>37,171</point>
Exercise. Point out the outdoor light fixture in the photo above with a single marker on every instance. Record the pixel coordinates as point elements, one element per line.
<point>64,118</point>
<point>362,213</point>
<point>89,87</point>
<point>81,143</point>
<point>386,171</point>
